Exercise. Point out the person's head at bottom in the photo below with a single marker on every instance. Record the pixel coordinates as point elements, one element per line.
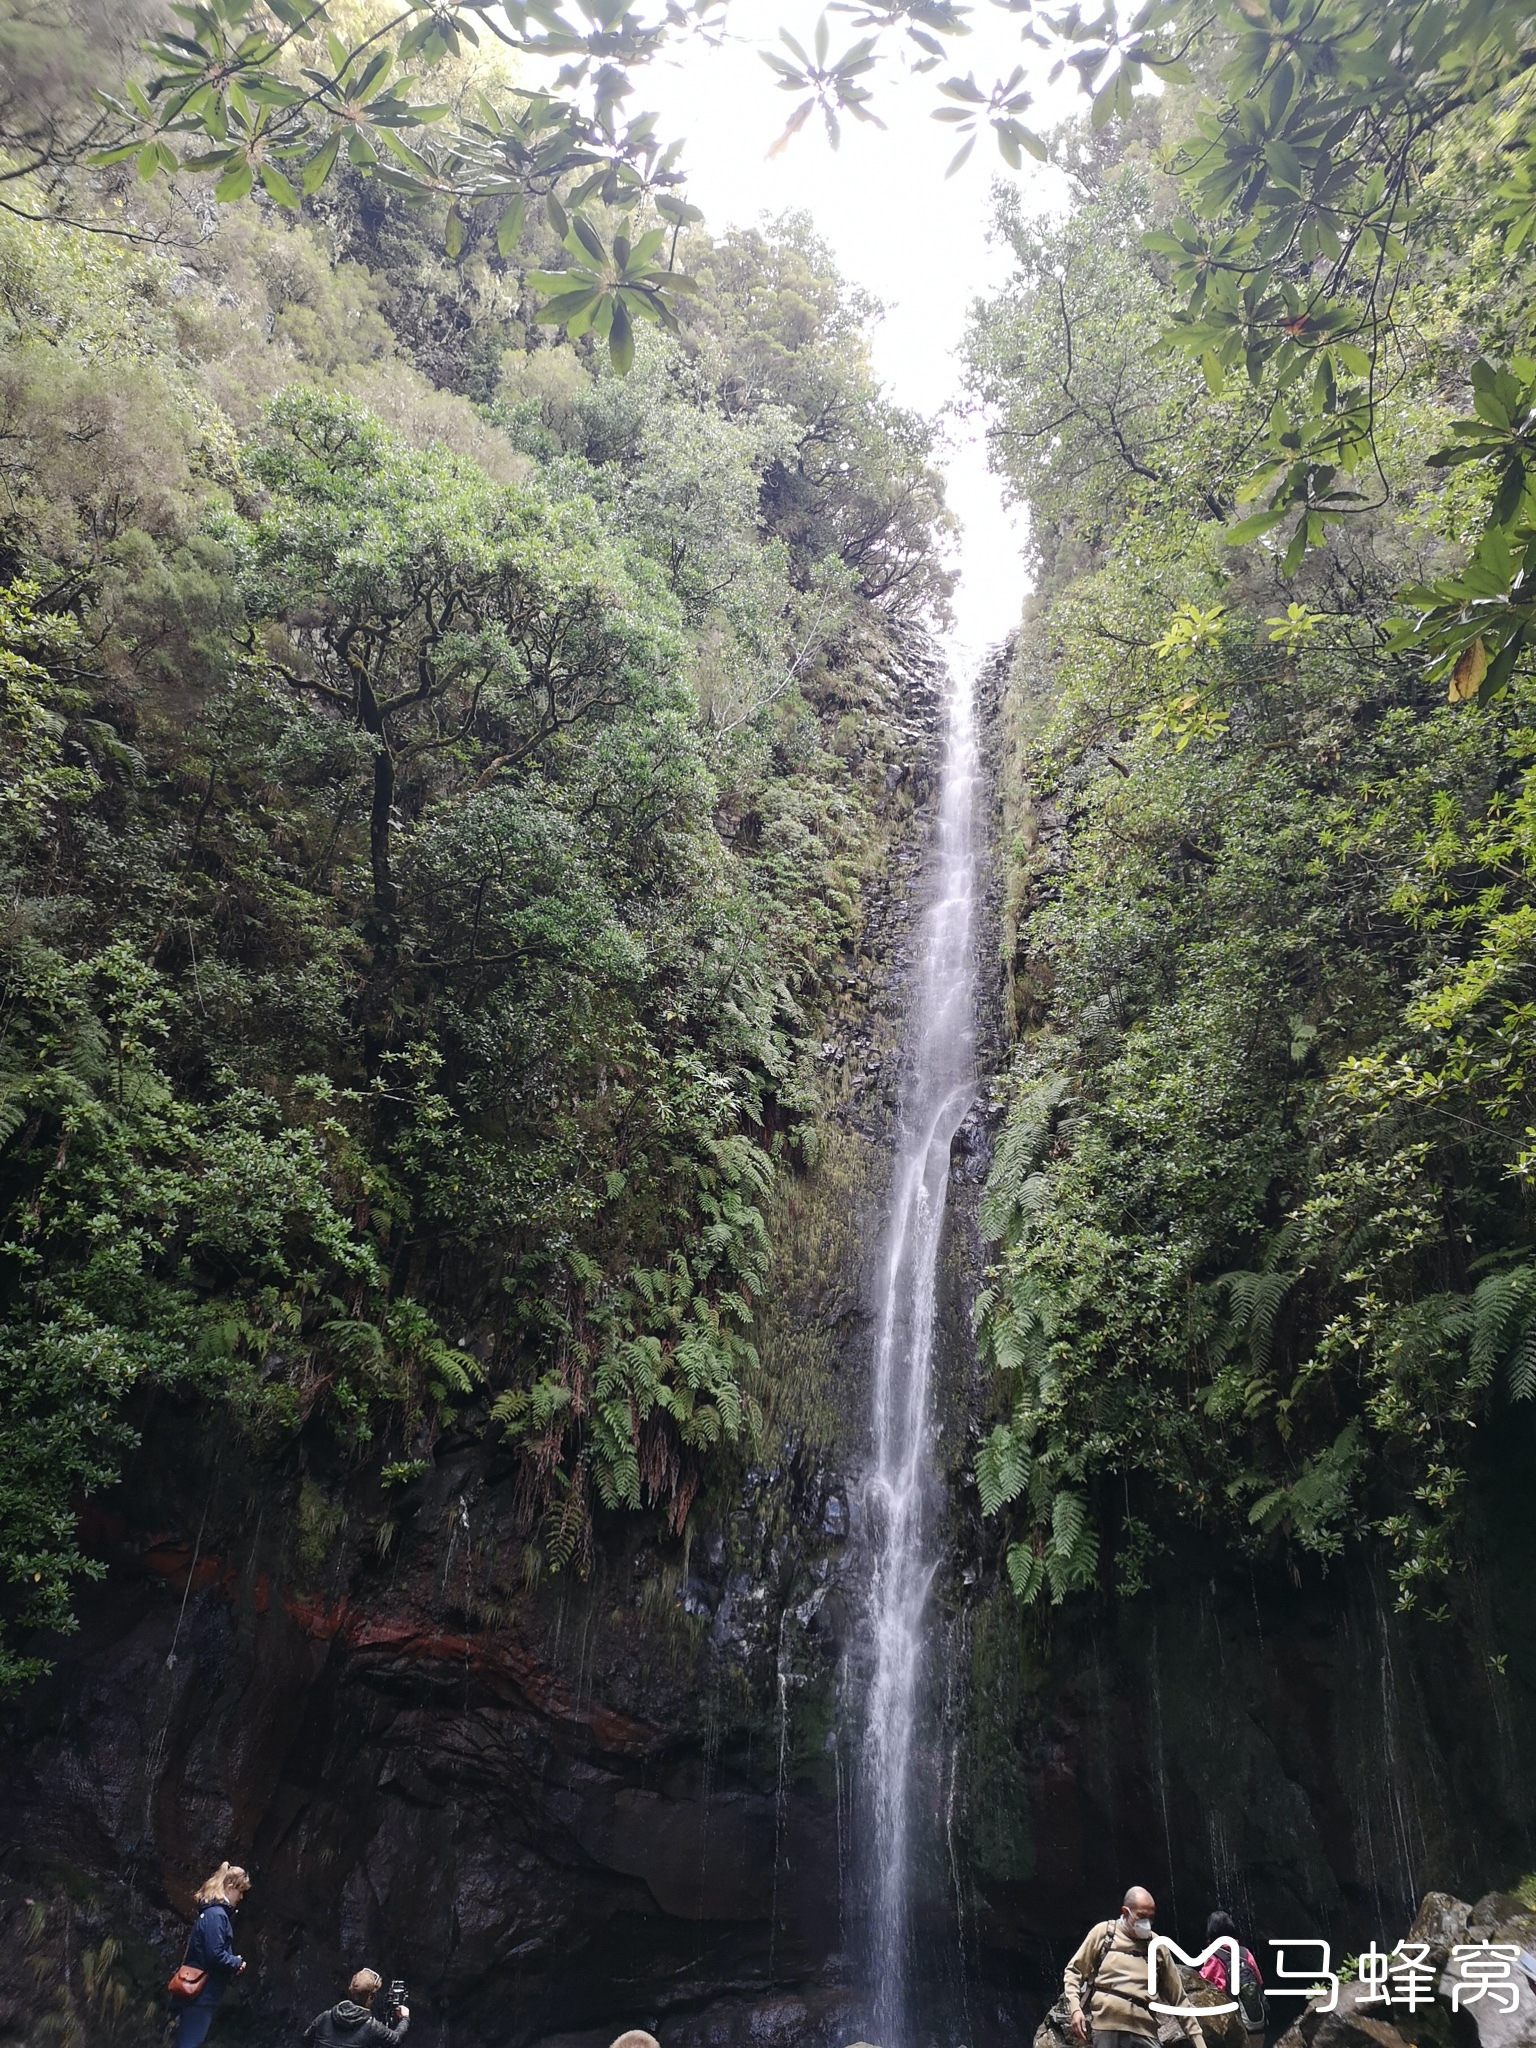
<point>365,1988</point>
<point>1138,1912</point>
<point>636,2038</point>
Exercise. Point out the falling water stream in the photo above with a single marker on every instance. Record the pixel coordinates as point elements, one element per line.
<point>898,1491</point>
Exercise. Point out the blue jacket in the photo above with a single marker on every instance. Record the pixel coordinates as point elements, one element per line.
<point>211,1947</point>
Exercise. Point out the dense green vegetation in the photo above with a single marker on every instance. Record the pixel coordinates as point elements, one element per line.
<point>1301,177</point>
<point>1263,1197</point>
<point>442,759</point>
<point>439,777</point>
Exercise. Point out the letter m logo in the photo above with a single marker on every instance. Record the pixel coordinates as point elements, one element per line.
<point>1226,1945</point>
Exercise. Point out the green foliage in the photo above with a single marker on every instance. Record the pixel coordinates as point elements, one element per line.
<point>1303,177</point>
<point>424,868</point>
<point>1262,1200</point>
<point>1304,181</point>
<point>264,96</point>
<point>442,616</point>
<point>92,1993</point>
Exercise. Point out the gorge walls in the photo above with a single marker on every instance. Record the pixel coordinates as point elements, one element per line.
<point>561,1808</point>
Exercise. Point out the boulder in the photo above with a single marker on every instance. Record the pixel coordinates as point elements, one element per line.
<point>1055,2030</point>
<point>1500,1916</point>
<point>1221,2029</point>
<point>1349,2025</point>
<point>1494,2027</point>
<point>1442,1923</point>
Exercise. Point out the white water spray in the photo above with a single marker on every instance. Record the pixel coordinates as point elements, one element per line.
<point>939,1089</point>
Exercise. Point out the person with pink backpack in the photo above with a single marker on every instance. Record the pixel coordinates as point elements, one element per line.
<point>1250,1991</point>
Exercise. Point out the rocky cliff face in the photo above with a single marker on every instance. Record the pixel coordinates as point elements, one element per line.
<point>1299,1755</point>
<point>557,1818</point>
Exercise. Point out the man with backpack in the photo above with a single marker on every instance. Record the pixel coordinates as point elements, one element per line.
<point>1105,1984</point>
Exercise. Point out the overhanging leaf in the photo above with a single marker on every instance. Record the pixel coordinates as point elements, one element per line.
<point>1467,675</point>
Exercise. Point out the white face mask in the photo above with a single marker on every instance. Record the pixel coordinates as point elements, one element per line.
<point>1141,1928</point>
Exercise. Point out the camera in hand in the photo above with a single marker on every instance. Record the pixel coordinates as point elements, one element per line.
<point>398,1996</point>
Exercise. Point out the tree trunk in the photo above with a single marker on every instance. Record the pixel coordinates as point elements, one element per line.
<point>385,896</point>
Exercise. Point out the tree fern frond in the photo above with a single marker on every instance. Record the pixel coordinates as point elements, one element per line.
<point>1521,1370</point>
<point>1254,1301</point>
<point>1501,1309</point>
<point>1072,1558</point>
<point>1068,1514</point>
<point>1013,1183</point>
<point>1026,1571</point>
<point>1002,1469</point>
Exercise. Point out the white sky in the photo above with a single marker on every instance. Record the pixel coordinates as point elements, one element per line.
<point>895,225</point>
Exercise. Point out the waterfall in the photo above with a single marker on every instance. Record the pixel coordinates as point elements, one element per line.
<point>938,1091</point>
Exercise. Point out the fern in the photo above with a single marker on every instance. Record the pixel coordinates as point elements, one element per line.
<point>1072,1556</point>
<point>1521,1379</point>
<point>1063,1561</point>
<point>1497,1323</point>
<point>1026,1571</point>
<point>1318,1507</point>
<point>1254,1302</point>
<point>1501,1313</point>
<point>1014,1186</point>
<point>13,1104</point>
<point>1002,1469</point>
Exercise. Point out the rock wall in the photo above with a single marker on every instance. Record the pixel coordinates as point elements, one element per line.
<point>558,1819</point>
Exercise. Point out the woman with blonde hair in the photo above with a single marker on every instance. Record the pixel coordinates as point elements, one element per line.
<point>210,1960</point>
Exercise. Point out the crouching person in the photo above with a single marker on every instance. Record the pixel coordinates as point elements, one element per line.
<point>351,2024</point>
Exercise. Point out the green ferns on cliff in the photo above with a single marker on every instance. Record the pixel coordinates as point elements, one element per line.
<point>1262,1200</point>
<point>424,853</point>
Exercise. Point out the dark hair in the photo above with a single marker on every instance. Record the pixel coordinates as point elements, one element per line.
<point>1219,1925</point>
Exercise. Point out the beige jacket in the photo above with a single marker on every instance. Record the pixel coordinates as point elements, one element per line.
<point>1118,2001</point>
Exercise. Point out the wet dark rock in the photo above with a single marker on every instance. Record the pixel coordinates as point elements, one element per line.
<point>1501,1916</point>
<point>1055,2029</point>
<point>1440,1923</point>
<point>521,1839</point>
<point>1220,2029</point>
<point>970,1152</point>
<point>1349,2025</point>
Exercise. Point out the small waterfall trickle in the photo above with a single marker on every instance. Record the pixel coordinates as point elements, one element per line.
<point>897,1493</point>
